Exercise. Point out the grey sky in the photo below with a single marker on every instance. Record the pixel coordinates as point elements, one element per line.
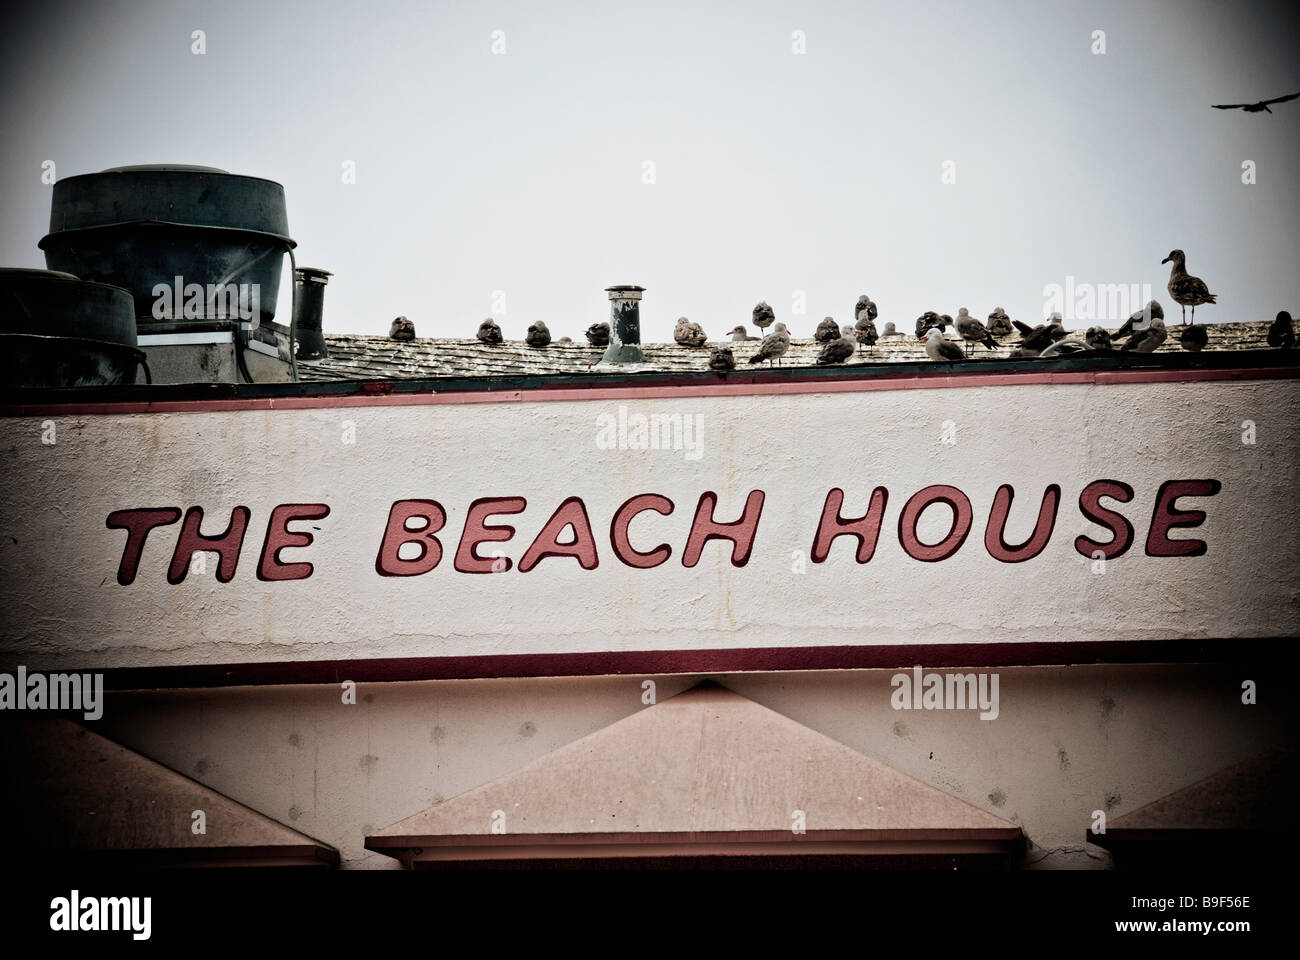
<point>775,172</point>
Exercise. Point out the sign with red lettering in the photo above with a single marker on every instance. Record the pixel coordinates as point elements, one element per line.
<point>610,523</point>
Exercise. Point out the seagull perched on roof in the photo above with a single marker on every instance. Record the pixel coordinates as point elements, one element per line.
<point>401,329</point>
<point>1194,338</point>
<point>489,332</point>
<point>972,331</point>
<point>689,333</point>
<point>939,347</point>
<point>539,335</point>
<point>598,334</point>
<point>774,345</point>
<point>864,331</point>
<point>1281,333</point>
<point>1187,291</point>
<point>1259,106</point>
<point>927,320</point>
<point>1146,339</point>
<point>1098,339</point>
<point>1139,320</point>
<point>890,331</point>
<point>837,350</point>
<point>867,304</point>
<point>999,324</point>
<point>721,359</point>
<point>763,315</point>
<point>740,334</point>
<point>1037,338</point>
<point>827,331</point>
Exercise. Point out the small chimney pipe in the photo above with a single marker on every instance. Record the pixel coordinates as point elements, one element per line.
<point>624,325</point>
<point>311,311</point>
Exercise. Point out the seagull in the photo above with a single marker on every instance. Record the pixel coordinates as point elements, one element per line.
<point>927,320</point>
<point>1141,319</point>
<point>1034,339</point>
<point>939,347</point>
<point>1194,338</point>
<point>598,334</point>
<point>402,329</point>
<point>538,335</point>
<point>889,330</point>
<point>1281,334</point>
<point>827,331</point>
<point>1056,328</point>
<point>972,331</point>
<point>867,304</point>
<point>864,331</point>
<point>1065,347</point>
<point>774,345</point>
<point>740,334</point>
<point>721,359</point>
<point>837,350</point>
<point>1146,340</point>
<point>1260,106</point>
<point>1188,291</point>
<point>489,332</point>
<point>763,315</point>
<point>1098,339</point>
<point>999,323</point>
<point>689,333</point>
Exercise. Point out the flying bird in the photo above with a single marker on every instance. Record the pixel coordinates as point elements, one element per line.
<point>1281,333</point>
<point>1098,339</point>
<point>973,332</point>
<point>774,345</point>
<point>836,351</point>
<point>827,331</point>
<point>598,334</point>
<point>539,335</point>
<point>1260,106</point>
<point>401,329</point>
<point>489,332</point>
<point>740,334</point>
<point>1194,338</point>
<point>939,347</point>
<point>864,331</point>
<point>689,333</point>
<point>999,324</point>
<point>1187,291</point>
<point>763,315</point>
<point>721,359</point>
<point>1146,340</point>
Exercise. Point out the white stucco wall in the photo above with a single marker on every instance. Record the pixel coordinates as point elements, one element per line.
<point>64,607</point>
<point>1067,741</point>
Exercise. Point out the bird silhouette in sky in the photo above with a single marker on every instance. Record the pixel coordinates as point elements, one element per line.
<point>1260,107</point>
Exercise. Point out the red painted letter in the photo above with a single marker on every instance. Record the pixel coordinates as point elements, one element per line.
<point>388,563</point>
<point>476,532</point>
<point>1166,517</point>
<point>741,533</point>
<point>623,518</point>
<point>995,541</point>
<point>137,524</point>
<point>1090,506</point>
<point>866,528</point>
<point>226,545</point>
<point>571,512</point>
<point>278,536</point>
<point>950,544</point>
